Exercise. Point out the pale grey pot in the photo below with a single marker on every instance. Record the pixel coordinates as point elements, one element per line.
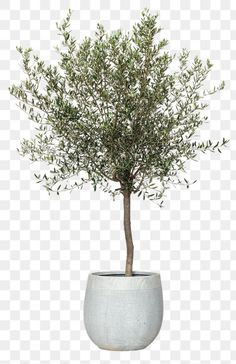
<point>123,313</point>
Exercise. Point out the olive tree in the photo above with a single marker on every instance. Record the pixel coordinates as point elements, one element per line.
<point>115,113</point>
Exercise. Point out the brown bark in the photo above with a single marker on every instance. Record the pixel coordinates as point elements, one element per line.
<point>128,235</point>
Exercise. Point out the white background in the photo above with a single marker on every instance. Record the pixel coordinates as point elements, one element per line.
<point>49,244</point>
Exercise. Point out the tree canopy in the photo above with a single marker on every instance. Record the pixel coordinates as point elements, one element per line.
<point>113,112</point>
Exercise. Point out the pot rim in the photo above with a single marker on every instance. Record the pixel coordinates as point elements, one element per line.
<point>120,274</point>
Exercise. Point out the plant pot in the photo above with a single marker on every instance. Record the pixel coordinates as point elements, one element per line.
<point>123,313</point>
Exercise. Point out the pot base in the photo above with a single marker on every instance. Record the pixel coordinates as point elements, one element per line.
<point>121,349</point>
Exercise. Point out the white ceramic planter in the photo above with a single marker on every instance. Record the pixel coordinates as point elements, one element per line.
<point>123,313</point>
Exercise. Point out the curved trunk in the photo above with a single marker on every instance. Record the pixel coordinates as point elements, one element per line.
<point>128,234</point>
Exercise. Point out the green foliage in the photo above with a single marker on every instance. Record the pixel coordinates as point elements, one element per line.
<point>113,109</point>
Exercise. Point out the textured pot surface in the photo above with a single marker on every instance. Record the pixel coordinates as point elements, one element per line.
<point>123,313</point>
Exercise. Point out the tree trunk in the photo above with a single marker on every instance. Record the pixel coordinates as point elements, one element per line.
<point>128,234</point>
